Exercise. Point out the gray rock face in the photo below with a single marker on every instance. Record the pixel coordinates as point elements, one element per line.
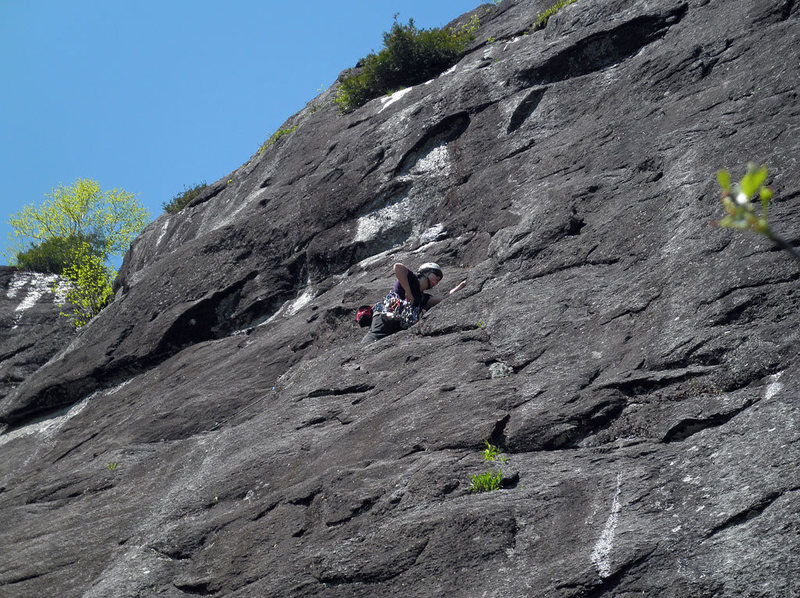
<point>31,331</point>
<point>227,433</point>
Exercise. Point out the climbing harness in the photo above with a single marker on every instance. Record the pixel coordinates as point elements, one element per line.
<point>397,309</point>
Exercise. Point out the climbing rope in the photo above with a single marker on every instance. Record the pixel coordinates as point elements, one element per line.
<point>395,308</point>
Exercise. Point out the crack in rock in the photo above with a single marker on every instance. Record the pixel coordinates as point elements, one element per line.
<point>603,49</point>
<point>337,392</point>
<point>525,109</point>
<point>750,512</point>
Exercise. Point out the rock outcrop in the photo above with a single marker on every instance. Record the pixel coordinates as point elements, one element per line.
<point>31,331</point>
<point>228,434</point>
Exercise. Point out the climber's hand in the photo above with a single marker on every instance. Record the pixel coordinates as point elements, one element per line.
<point>458,287</point>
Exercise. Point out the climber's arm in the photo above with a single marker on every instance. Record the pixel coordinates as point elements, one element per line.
<point>434,301</point>
<point>401,273</point>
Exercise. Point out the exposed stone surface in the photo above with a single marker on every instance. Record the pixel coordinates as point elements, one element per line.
<point>229,435</point>
<point>30,330</point>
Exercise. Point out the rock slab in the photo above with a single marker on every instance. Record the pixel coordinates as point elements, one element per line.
<point>226,434</point>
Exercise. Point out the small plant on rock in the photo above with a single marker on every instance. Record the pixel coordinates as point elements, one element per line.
<point>493,453</point>
<point>542,18</point>
<point>275,137</point>
<point>738,200</point>
<point>486,482</point>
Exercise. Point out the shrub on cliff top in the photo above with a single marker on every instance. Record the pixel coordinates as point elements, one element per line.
<point>181,200</point>
<point>409,56</point>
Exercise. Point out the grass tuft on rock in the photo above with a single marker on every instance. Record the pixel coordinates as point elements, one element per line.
<point>275,137</point>
<point>486,482</point>
<point>542,18</point>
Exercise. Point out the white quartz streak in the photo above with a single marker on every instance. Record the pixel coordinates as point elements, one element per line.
<point>34,286</point>
<point>601,555</point>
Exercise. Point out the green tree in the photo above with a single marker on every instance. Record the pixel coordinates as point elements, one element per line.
<point>87,285</point>
<point>109,220</point>
<point>75,232</point>
<point>54,255</point>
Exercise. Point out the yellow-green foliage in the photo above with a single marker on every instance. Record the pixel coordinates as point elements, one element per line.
<point>741,212</point>
<point>409,56</point>
<point>541,19</point>
<point>75,231</point>
<point>111,219</point>
<point>277,135</point>
<point>486,482</point>
<point>87,283</point>
<point>493,453</point>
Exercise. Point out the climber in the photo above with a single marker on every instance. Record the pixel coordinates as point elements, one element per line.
<point>395,312</point>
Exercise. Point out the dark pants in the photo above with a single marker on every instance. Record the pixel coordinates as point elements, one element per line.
<point>380,328</point>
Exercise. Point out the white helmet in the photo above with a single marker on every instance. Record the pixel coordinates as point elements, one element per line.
<point>431,268</point>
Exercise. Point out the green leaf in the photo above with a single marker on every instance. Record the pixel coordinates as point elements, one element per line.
<point>724,179</point>
<point>754,178</point>
<point>766,195</point>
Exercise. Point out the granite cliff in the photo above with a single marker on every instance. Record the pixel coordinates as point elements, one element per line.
<point>219,429</point>
<point>32,331</point>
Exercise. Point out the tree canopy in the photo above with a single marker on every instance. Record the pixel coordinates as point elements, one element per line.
<point>107,220</point>
<point>74,233</point>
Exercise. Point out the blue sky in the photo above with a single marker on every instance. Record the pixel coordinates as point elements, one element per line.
<point>154,96</point>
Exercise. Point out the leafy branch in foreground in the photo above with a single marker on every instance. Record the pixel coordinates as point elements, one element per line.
<point>741,211</point>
